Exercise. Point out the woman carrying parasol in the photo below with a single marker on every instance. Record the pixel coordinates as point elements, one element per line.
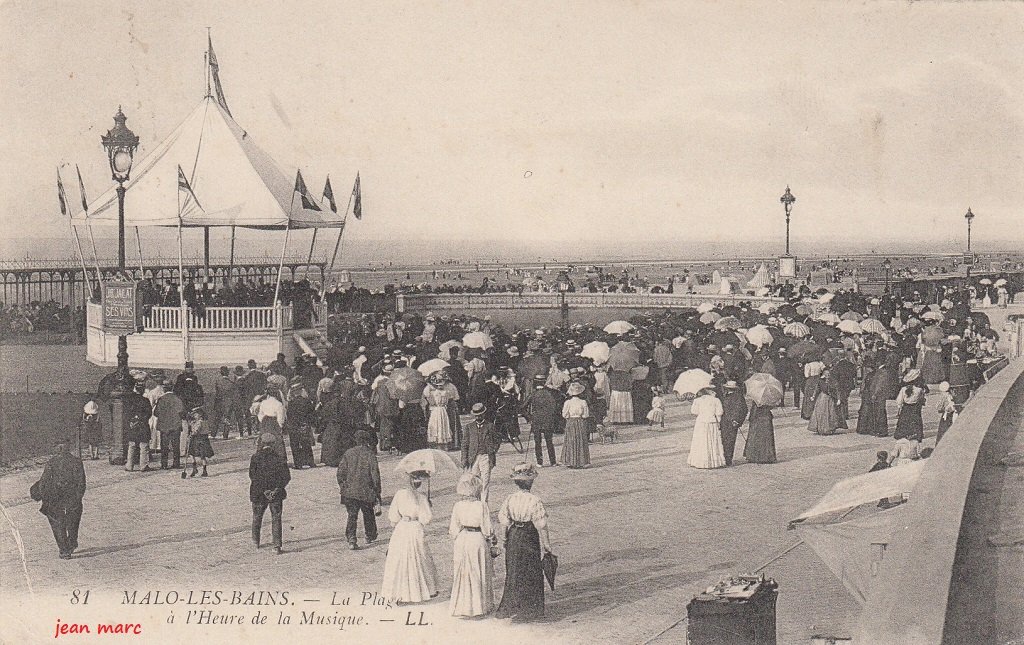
<point>409,571</point>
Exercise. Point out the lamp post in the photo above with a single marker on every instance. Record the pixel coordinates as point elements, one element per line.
<point>969,216</point>
<point>563,287</point>
<point>787,263</point>
<point>120,143</point>
<point>887,265</point>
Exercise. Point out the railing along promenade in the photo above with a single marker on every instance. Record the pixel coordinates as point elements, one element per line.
<point>576,300</point>
<point>217,319</point>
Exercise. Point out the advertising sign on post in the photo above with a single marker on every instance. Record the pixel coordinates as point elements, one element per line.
<point>122,308</point>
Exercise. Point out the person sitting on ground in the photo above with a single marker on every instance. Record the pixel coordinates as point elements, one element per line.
<point>882,461</point>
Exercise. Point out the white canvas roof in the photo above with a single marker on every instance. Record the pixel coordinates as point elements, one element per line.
<point>866,488</point>
<point>234,181</point>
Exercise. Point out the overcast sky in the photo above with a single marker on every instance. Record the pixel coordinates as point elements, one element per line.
<point>546,120</point>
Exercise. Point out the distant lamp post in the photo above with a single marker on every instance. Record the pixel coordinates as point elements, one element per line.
<point>563,284</point>
<point>968,254</point>
<point>887,265</point>
<point>120,143</point>
<point>787,263</point>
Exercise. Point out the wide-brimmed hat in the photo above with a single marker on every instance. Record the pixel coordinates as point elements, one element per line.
<point>513,351</point>
<point>469,485</point>
<point>478,409</point>
<point>419,475</point>
<point>524,472</point>
<point>944,386</point>
<point>575,389</point>
<point>91,408</point>
<point>912,376</point>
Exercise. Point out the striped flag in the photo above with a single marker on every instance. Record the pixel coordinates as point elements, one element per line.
<point>61,195</point>
<point>300,188</point>
<point>329,195</point>
<point>183,186</point>
<point>81,190</point>
<point>357,198</point>
<point>215,75</point>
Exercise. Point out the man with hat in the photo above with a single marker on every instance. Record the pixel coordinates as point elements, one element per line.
<point>137,411</point>
<point>734,413</point>
<point>225,395</point>
<point>169,412</point>
<point>543,410</point>
<point>61,488</point>
<point>268,477</point>
<point>385,408</point>
<point>250,386</point>
<point>480,447</point>
<point>359,483</point>
<point>299,423</point>
<point>188,388</point>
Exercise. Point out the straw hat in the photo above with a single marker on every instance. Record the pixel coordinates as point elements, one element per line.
<point>575,389</point>
<point>469,485</point>
<point>479,409</point>
<point>912,376</point>
<point>91,408</point>
<point>524,472</point>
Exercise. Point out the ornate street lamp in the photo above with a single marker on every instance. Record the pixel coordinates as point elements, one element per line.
<point>787,263</point>
<point>120,143</point>
<point>969,216</point>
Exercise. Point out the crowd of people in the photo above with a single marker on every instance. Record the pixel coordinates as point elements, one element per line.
<point>39,316</point>
<point>462,386</point>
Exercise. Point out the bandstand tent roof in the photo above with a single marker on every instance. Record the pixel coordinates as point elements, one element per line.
<point>234,181</point>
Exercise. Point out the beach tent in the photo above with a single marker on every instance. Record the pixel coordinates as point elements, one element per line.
<point>761,279</point>
<point>851,544</point>
<point>728,286</point>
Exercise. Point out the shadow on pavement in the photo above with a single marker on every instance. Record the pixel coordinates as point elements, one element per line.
<point>165,539</point>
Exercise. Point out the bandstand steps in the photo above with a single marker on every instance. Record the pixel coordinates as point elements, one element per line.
<point>312,341</point>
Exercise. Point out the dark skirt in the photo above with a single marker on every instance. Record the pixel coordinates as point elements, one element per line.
<point>92,432</point>
<point>945,421</point>
<point>199,446</point>
<point>811,388</point>
<point>760,447</point>
<point>909,423</point>
<point>523,597</point>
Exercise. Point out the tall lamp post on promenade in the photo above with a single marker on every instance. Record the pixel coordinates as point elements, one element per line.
<point>120,143</point>
<point>787,263</point>
<point>969,255</point>
<point>887,265</point>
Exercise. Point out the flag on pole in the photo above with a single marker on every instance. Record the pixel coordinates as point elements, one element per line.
<point>184,186</point>
<point>61,195</point>
<point>329,195</point>
<point>300,188</point>
<point>81,190</point>
<point>357,197</point>
<point>215,74</point>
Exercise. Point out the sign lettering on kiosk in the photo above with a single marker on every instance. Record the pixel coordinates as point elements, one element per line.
<point>122,307</point>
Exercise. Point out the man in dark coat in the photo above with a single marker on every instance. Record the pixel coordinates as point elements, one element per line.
<point>359,482</point>
<point>480,447</point>
<point>845,374</point>
<point>188,388</point>
<point>225,400</point>
<point>268,477</point>
<point>137,411</point>
<point>791,374</point>
<point>253,384</point>
<point>734,413</point>
<point>543,411</point>
<point>61,488</point>
<point>169,412</point>
<point>385,409</point>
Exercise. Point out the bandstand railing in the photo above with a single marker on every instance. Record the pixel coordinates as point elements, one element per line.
<point>217,318</point>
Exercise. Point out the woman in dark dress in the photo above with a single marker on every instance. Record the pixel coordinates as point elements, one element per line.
<point>911,400</point>
<point>299,425</point>
<point>524,522</point>
<point>760,448</point>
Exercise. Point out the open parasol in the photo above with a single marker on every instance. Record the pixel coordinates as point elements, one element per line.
<point>932,315</point>
<point>407,384</point>
<point>596,351</point>
<point>872,326</point>
<point>691,382</point>
<point>985,281</point>
<point>728,322</point>
<point>852,315</point>
<point>767,308</point>
<point>796,330</point>
<point>478,339</point>
<point>618,327</point>
<point>433,365</point>
<point>428,459</point>
<point>1000,282</point>
<point>849,327</point>
<point>829,318</point>
<point>759,335</point>
<point>705,307</point>
<point>805,350</point>
<point>624,356</point>
<point>764,389</point>
<point>710,317</point>
<point>444,351</point>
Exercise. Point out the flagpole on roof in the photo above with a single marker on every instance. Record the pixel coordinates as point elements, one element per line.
<point>287,233</point>
<point>206,61</point>
<point>92,238</point>
<point>337,244</point>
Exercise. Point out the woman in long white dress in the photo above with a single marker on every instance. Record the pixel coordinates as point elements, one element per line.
<point>473,571</point>
<point>706,449</point>
<point>409,571</point>
<point>435,408</point>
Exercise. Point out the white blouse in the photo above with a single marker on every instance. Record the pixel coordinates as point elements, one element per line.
<point>471,513</point>
<point>707,408</point>
<point>814,368</point>
<point>410,505</point>
<point>523,506</point>
<point>575,408</point>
